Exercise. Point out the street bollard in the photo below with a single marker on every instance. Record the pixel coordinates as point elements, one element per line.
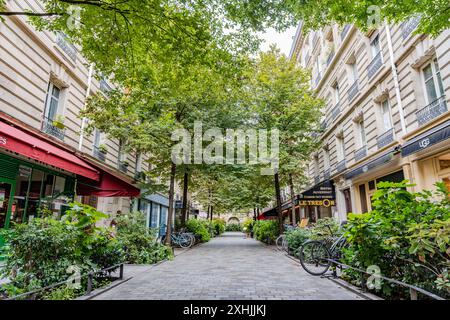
<point>121,272</point>
<point>89,283</point>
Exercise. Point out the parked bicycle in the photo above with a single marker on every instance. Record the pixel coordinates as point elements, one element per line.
<point>181,239</point>
<point>316,255</point>
<point>281,241</point>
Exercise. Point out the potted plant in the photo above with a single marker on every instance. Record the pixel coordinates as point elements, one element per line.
<point>103,148</point>
<point>58,122</point>
<point>125,163</point>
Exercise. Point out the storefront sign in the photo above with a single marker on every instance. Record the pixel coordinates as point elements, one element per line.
<point>385,158</point>
<point>321,203</point>
<point>427,139</point>
<point>324,190</point>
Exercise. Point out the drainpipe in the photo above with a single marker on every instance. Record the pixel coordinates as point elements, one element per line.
<point>88,91</point>
<point>395,76</point>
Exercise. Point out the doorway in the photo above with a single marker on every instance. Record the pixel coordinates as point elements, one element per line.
<point>348,201</point>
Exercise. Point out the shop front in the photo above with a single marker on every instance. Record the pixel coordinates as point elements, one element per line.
<point>318,202</point>
<point>156,208</point>
<point>36,177</point>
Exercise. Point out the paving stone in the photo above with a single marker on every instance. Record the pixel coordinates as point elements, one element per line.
<point>228,267</point>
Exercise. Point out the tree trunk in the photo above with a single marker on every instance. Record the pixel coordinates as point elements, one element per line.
<point>173,170</point>
<point>211,214</point>
<point>278,196</point>
<point>292,217</point>
<point>184,205</point>
<point>254,213</point>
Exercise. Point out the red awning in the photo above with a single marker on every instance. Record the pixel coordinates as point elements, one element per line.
<point>25,144</point>
<point>109,186</point>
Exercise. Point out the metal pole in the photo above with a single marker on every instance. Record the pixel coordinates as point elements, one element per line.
<point>121,272</point>
<point>363,287</point>
<point>413,294</point>
<point>89,284</point>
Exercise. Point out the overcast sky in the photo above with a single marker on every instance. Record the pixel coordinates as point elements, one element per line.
<point>282,40</point>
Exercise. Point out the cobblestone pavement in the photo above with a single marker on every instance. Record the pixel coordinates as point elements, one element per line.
<point>229,267</point>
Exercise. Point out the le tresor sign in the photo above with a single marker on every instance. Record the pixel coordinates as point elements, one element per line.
<point>323,194</point>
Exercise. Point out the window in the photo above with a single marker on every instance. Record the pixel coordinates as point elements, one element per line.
<point>122,154</point>
<point>386,115</point>
<point>433,82</point>
<point>354,71</point>
<point>316,166</point>
<point>97,138</point>
<point>326,158</point>
<point>362,133</point>
<point>53,101</point>
<point>139,162</point>
<point>340,144</point>
<point>375,46</point>
<point>337,95</point>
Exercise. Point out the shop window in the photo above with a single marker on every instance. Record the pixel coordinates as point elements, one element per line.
<point>34,194</point>
<point>5,193</point>
<point>372,185</point>
<point>155,215</point>
<point>447,183</point>
<point>20,196</point>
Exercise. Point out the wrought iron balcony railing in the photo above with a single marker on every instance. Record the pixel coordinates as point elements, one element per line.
<point>66,46</point>
<point>345,31</point>
<point>432,111</point>
<point>123,166</point>
<point>353,91</point>
<point>98,154</point>
<point>361,153</point>
<point>336,111</point>
<point>49,128</point>
<point>409,26</point>
<point>316,179</point>
<point>375,65</point>
<point>341,166</point>
<point>386,138</point>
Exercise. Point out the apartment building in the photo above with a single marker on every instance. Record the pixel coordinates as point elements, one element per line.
<point>387,93</point>
<point>46,159</point>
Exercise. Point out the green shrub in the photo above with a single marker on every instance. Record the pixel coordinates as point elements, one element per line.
<point>219,226</point>
<point>247,225</point>
<point>234,227</point>
<point>407,235</point>
<point>266,230</point>
<point>200,228</point>
<point>324,228</point>
<point>41,251</point>
<point>296,237</point>
<point>139,242</point>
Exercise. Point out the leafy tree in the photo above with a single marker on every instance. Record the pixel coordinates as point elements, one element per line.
<point>280,98</point>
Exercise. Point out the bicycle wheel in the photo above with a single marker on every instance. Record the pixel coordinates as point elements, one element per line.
<point>279,242</point>
<point>285,245</point>
<point>314,257</point>
<point>184,241</point>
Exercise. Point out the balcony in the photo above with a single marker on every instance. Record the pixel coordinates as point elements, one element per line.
<point>361,153</point>
<point>66,46</point>
<point>432,111</point>
<point>330,58</point>
<point>353,91</point>
<point>98,154</point>
<point>336,111</point>
<point>345,31</point>
<point>375,65</point>
<point>386,138</point>
<point>123,166</point>
<point>341,166</point>
<point>139,176</point>
<point>409,26</point>
<point>49,128</point>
